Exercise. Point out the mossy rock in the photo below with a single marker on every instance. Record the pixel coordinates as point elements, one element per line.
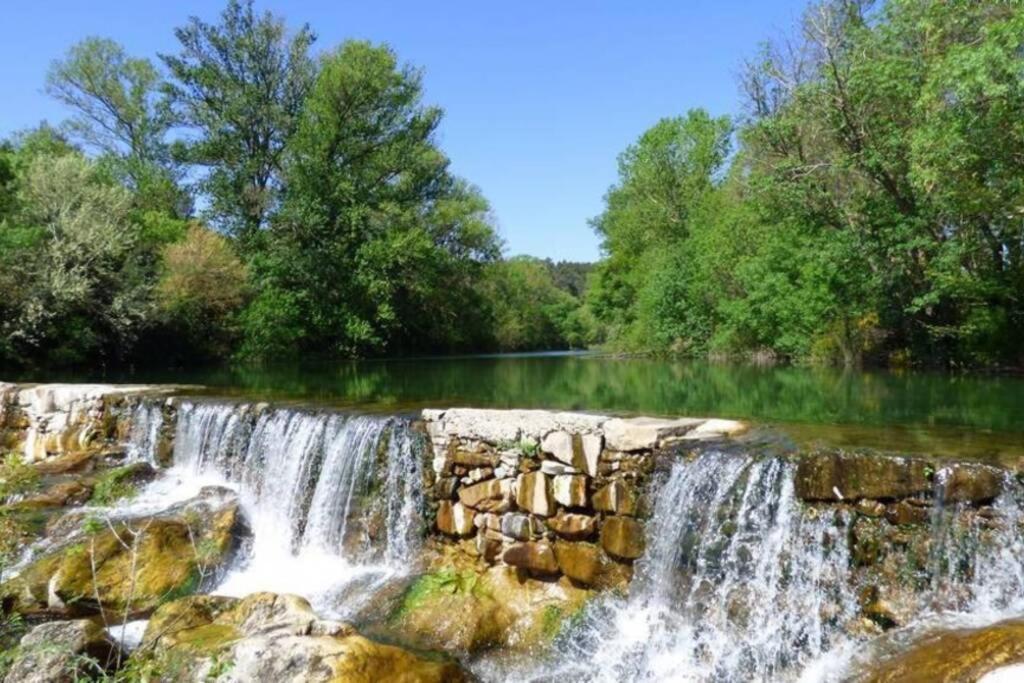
<point>840,475</point>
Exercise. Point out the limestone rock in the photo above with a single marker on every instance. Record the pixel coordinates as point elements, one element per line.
<point>553,468</point>
<point>454,519</point>
<point>560,445</point>
<point>50,652</point>
<point>953,655</point>
<point>533,493</point>
<point>520,527</point>
<point>483,496</point>
<point>572,526</point>
<point>617,497</point>
<point>579,561</point>
<point>622,537</point>
<point>839,475</point>
<point>591,445</point>
<point>537,558</point>
<point>570,490</point>
<point>645,433</point>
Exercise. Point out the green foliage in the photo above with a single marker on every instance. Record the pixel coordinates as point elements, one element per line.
<point>114,485</point>
<point>871,211</point>
<point>17,477</point>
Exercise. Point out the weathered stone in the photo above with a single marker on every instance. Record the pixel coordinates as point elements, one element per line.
<point>472,459</point>
<point>573,527</point>
<point>570,490</point>
<point>520,527</point>
<point>560,445</point>
<point>537,558</point>
<point>903,512</point>
<point>870,508</point>
<point>591,445</point>
<point>645,433</point>
<point>480,473</point>
<point>838,475</point>
<point>954,655</point>
<point>622,537</point>
<point>454,519</point>
<point>52,651</point>
<point>444,488</point>
<point>581,562</point>
<point>553,468</point>
<point>616,497</point>
<point>487,520</point>
<point>970,483</point>
<point>533,494</point>
<point>715,429</point>
<point>488,544</point>
<point>481,496</point>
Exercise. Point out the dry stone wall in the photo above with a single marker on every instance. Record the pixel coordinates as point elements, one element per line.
<point>551,493</point>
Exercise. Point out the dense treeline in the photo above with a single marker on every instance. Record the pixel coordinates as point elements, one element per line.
<point>868,206</point>
<point>245,198</point>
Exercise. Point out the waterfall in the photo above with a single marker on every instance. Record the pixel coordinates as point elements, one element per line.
<point>332,499</point>
<point>147,418</point>
<point>742,581</point>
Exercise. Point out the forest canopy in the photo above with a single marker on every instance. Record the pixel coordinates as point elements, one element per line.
<point>252,195</point>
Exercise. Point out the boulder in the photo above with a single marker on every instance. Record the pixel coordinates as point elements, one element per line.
<point>953,655</point>
<point>487,495</point>
<point>970,483</point>
<point>617,497</point>
<point>622,537</point>
<point>55,651</point>
<point>270,637</point>
<point>572,526</point>
<point>534,494</point>
<point>454,519</point>
<point>645,433</point>
<point>570,490</point>
<point>536,558</point>
<point>840,475</point>
<point>582,562</point>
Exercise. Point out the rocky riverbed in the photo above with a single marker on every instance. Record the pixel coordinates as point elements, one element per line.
<point>152,535</point>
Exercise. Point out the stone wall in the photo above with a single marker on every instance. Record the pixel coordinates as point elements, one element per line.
<point>551,493</point>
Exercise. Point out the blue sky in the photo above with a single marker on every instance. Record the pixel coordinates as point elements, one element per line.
<point>540,97</point>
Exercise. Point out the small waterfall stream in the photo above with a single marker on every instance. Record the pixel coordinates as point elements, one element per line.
<point>331,499</point>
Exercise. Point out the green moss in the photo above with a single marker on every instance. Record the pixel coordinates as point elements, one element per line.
<point>447,581</point>
<point>551,621</point>
<point>209,638</point>
<point>189,586</point>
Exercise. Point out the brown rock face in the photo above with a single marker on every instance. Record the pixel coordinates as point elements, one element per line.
<point>905,513</point>
<point>623,537</point>
<point>837,475</point>
<point>537,558</point>
<point>534,494</point>
<point>961,655</point>
<point>573,527</point>
<point>570,490</point>
<point>454,519</point>
<point>617,497</point>
<point>581,562</point>
<point>482,496</point>
<point>971,483</point>
<point>466,458</point>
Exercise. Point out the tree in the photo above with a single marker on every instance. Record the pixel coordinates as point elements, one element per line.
<point>120,114</point>
<point>377,245</point>
<point>240,85</point>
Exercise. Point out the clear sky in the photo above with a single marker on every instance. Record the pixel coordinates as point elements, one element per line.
<point>540,97</point>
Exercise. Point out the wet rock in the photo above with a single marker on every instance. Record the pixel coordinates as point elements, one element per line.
<point>953,655</point>
<point>54,652</point>
<point>521,527</point>
<point>272,637</point>
<point>488,544</point>
<point>534,494</point>
<point>483,496</point>
<point>904,512</point>
<point>61,494</point>
<point>454,519</point>
<point>570,490</point>
<point>970,483</point>
<point>870,508</point>
<point>537,558</point>
<point>645,433</point>
<point>838,475</point>
<point>617,498</point>
<point>572,526</point>
<point>622,537</point>
<point>868,541</point>
<point>582,562</point>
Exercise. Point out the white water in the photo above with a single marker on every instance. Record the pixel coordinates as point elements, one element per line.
<point>330,513</point>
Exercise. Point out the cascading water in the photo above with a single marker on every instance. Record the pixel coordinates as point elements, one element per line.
<point>329,497</point>
<point>743,582</point>
<point>147,419</point>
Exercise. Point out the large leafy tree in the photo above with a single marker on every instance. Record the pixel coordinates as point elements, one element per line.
<point>119,112</point>
<point>377,244</point>
<point>239,85</point>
